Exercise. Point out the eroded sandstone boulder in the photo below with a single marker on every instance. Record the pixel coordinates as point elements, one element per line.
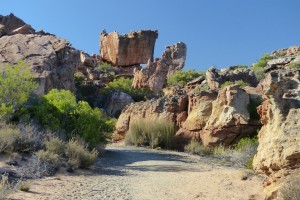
<point>155,74</point>
<point>53,61</point>
<point>126,50</point>
<point>279,139</point>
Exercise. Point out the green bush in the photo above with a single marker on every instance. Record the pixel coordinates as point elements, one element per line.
<point>245,143</point>
<point>23,186</point>
<point>8,139</point>
<point>197,148</point>
<point>294,65</point>
<point>259,66</point>
<point>74,118</point>
<point>16,85</point>
<point>49,157</point>
<point>124,85</point>
<point>79,155</point>
<point>180,78</point>
<point>56,146</point>
<point>239,82</point>
<point>151,132</point>
<point>106,68</point>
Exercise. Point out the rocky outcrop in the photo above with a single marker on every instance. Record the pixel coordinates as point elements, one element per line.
<point>11,24</point>
<point>126,50</point>
<point>168,108</point>
<point>116,103</point>
<point>155,74</point>
<point>279,150</point>
<point>230,119</point>
<point>216,78</point>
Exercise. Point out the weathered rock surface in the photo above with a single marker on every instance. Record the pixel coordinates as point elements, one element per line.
<point>125,50</point>
<point>155,74</point>
<point>279,139</point>
<point>116,103</point>
<point>53,61</point>
<point>9,24</point>
<point>229,119</point>
<point>216,78</point>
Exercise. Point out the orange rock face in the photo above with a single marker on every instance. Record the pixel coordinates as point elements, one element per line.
<point>125,50</point>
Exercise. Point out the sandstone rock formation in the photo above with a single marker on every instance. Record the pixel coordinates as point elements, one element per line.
<point>116,103</point>
<point>207,116</point>
<point>215,78</point>
<point>166,107</point>
<point>230,118</point>
<point>279,150</point>
<point>53,61</point>
<point>126,50</point>
<point>155,74</point>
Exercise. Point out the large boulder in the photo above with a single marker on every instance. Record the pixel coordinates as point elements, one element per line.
<point>279,139</point>
<point>155,74</point>
<point>53,61</point>
<point>230,119</point>
<point>126,50</point>
<point>116,103</point>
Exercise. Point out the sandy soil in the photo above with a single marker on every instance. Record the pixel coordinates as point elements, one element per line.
<point>141,174</point>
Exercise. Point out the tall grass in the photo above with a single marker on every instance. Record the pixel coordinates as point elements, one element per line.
<point>151,132</point>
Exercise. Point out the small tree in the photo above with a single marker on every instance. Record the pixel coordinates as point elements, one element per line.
<point>16,85</point>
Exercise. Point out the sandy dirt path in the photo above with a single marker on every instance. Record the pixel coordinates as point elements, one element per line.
<point>141,174</point>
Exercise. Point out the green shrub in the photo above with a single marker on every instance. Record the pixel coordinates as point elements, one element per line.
<point>16,85</point>
<point>180,78</point>
<point>106,68</point>
<point>259,66</point>
<point>195,147</point>
<point>245,143</point>
<point>124,85</point>
<point>49,157</point>
<point>56,146</point>
<point>8,139</point>
<point>202,87</point>
<point>79,77</point>
<point>290,189</point>
<point>239,82</point>
<point>74,118</point>
<point>5,187</point>
<point>79,155</point>
<point>23,186</point>
<point>294,65</point>
<point>151,132</point>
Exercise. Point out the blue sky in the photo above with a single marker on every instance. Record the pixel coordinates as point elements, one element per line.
<point>217,32</point>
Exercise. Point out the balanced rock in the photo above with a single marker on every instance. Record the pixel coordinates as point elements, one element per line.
<point>126,50</point>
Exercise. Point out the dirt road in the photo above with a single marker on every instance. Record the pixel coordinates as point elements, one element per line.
<point>141,174</point>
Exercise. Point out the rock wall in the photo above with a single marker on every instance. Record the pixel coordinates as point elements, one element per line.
<point>125,50</point>
<point>52,59</point>
<point>155,74</point>
<point>216,78</point>
<point>279,150</point>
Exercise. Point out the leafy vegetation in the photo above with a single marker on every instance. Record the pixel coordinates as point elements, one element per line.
<point>239,82</point>
<point>180,78</point>
<point>16,85</point>
<point>151,132</point>
<point>124,85</point>
<point>74,118</point>
<point>294,65</point>
<point>259,66</point>
<point>197,148</point>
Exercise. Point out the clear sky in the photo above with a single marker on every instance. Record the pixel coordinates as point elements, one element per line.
<point>218,33</point>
